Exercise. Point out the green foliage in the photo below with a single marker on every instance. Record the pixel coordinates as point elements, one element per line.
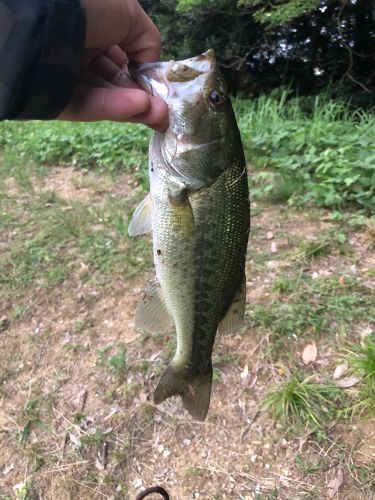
<point>118,361</point>
<point>282,12</point>
<point>362,359</point>
<point>308,44</point>
<point>273,14</point>
<point>325,156</point>
<point>104,144</point>
<point>303,150</point>
<point>298,400</point>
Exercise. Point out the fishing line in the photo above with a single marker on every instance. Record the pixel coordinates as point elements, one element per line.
<point>238,178</point>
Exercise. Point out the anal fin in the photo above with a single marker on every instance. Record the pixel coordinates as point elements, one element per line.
<point>234,317</point>
<point>152,314</point>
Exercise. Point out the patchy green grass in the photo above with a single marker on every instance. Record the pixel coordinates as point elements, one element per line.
<point>325,155</point>
<point>322,153</point>
<point>51,239</point>
<point>105,144</point>
<point>362,360</point>
<point>298,400</point>
<point>76,378</point>
<point>307,307</point>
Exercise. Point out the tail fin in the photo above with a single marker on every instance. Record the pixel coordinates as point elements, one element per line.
<point>195,392</point>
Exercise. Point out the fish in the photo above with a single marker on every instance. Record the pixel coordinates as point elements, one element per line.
<point>198,211</point>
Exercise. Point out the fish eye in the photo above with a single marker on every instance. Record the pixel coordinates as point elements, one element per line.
<point>216,97</point>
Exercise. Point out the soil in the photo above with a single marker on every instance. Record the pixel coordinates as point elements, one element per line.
<point>74,427</point>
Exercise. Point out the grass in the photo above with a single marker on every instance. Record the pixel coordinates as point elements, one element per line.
<point>323,154</point>
<point>362,360</point>
<point>69,279</point>
<point>302,150</point>
<point>297,400</point>
<point>106,145</point>
<point>305,306</point>
<point>47,232</point>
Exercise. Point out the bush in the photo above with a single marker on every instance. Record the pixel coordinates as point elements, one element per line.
<point>303,149</point>
<point>326,156</point>
<point>104,144</point>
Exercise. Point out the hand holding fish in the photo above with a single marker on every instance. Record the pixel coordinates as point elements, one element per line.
<point>117,31</point>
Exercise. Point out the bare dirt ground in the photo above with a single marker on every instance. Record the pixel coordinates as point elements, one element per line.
<point>76,414</point>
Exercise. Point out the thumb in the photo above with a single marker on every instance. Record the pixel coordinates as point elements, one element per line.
<point>116,104</point>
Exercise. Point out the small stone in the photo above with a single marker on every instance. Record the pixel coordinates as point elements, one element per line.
<point>4,323</point>
<point>284,443</point>
<point>166,453</point>
<point>137,483</point>
<point>160,448</point>
<point>186,442</point>
<point>267,466</point>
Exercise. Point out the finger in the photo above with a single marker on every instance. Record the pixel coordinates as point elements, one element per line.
<point>104,67</point>
<point>117,56</point>
<point>92,104</point>
<point>143,41</point>
<point>156,117</point>
<point>91,79</point>
<point>108,71</point>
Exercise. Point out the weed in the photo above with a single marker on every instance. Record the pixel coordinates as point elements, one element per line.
<point>312,249</point>
<point>299,401</point>
<point>192,471</point>
<point>313,306</point>
<point>24,491</point>
<point>307,468</point>
<point>31,419</point>
<point>362,359</point>
<point>118,361</point>
<point>147,412</point>
<point>325,156</point>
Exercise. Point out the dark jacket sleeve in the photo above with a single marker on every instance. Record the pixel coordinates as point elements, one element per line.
<point>41,44</point>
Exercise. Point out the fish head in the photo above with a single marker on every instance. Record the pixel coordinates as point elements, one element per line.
<point>202,126</point>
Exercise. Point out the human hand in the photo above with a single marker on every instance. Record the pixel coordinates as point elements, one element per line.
<point>117,31</point>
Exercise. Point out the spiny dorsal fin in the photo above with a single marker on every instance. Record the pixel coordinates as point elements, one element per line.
<point>152,314</point>
<point>141,220</point>
<point>234,318</point>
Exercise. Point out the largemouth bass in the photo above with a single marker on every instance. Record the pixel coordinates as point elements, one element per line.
<point>198,212</point>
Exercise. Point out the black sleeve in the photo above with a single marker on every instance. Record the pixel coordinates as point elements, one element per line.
<point>41,44</point>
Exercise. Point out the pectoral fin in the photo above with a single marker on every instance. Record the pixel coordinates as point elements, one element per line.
<point>152,314</point>
<point>182,212</point>
<point>234,318</point>
<point>141,221</point>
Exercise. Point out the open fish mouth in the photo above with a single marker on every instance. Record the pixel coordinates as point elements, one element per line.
<point>173,78</point>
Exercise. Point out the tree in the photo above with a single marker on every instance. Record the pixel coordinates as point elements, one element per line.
<point>308,44</point>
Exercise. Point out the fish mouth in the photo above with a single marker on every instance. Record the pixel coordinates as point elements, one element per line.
<point>173,78</point>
